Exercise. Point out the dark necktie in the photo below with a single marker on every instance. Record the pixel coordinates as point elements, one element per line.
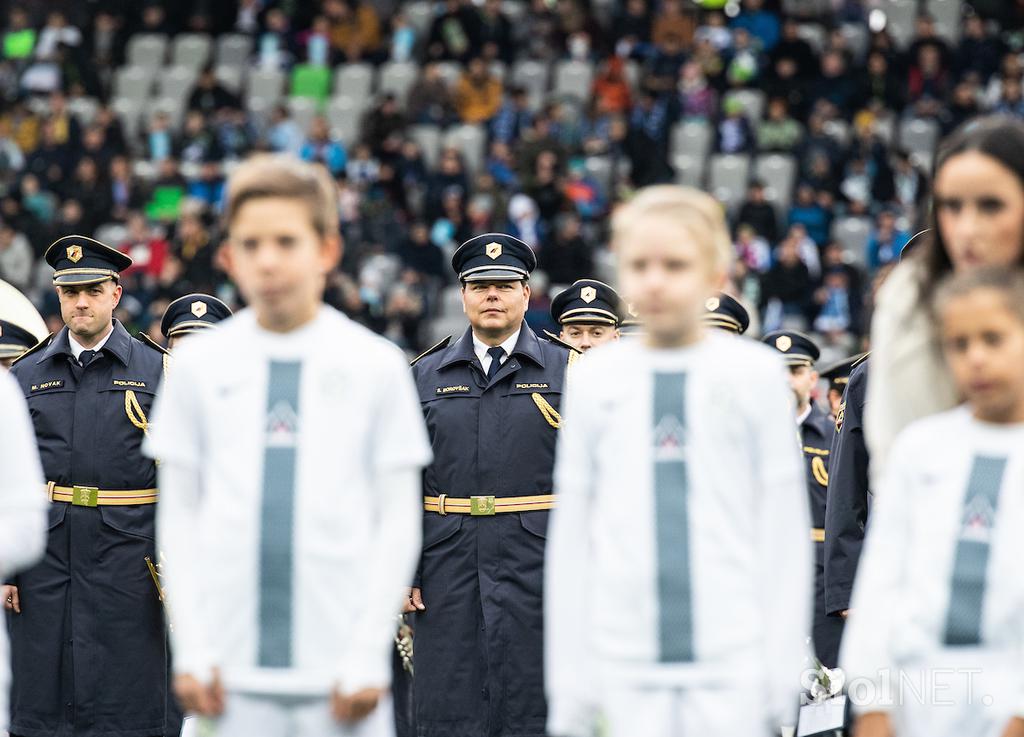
<point>496,354</point>
<point>86,357</point>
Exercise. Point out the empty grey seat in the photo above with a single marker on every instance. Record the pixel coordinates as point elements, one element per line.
<point>573,78</point>
<point>147,50</point>
<point>852,233</point>
<point>692,137</point>
<point>451,302</point>
<point>813,34</point>
<point>919,136</point>
<point>266,83</point>
<point>344,116</point>
<point>133,82</point>
<point>948,15</point>
<point>900,16</point>
<point>689,170</point>
<point>420,15</point>
<point>111,233</point>
<point>353,80</point>
<point>303,110</point>
<point>84,109</point>
<point>856,35</point>
<point>230,76</point>
<point>469,140</point>
<point>532,76</point>
<point>778,172</point>
<point>260,109</point>
<point>191,50</point>
<point>727,177</point>
<point>129,112</point>
<point>752,102</point>
<point>429,139</point>
<point>173,106</point>
<point>176,82</point>
<point>398,77</point>
<point>234,50</point>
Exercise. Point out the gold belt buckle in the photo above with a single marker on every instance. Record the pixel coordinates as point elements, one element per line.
<point>85,496</point>
<point>481,506</point>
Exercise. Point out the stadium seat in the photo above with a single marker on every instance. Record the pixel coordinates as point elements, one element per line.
<point>727,178</point>
<point>191,50</point>
<point>112,233</point>
<point>948,15</point>
<point>451,301</point>
<point>752,101</point>
<point>573,78</point>
<point>532,76</point>
<point>266,83</point>
<point>470,140</point>
<point>173,106</point>
<point>513,10</point>
<point>499,70</point>
<point>900,16</point>
<point>133,82</point>
<point>778,172</point>
<point>398,77</point>
<point>839,130</point>
<point>440,328</point>
<point>234,50</point>
<point>885,129</point>
<point>303,110</point>
<point>129,112</point>
<point>344,116</point>
<point>176,82</point>
<point>692,138</point>
<point>919,136</point>
<point>429,139</point>
<point>420,15</point>
<point>814,34</point>
<point>353,80</point>
<point>84,109</point>
<point>856,35</point>
<point>689,169</point>
<point>147,50</point>
<point>852,233</point>
<point>230,76</point>
<point>312,81</point>
<point>260,109</point>
<point>451,72</point>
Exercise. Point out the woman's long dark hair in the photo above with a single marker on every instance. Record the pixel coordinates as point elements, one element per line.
<point>998,136</point>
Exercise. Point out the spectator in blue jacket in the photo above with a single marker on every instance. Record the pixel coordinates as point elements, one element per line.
<point>320,147</point>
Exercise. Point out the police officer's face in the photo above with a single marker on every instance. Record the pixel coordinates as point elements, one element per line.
<point>983,340</point>
<point>495,309</point>
<point>279,260</point>
<point>585,337</point>
<point>88,310</point>
<point>802,380</point>
<point>979,206</point>
<point>666,276</point>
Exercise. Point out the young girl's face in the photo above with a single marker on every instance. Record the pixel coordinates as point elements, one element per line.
<point>983,339</point>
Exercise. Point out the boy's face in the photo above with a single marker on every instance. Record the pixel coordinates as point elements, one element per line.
<point>585,337</point>
<point>279,261</point>
<point>666,277</point>
<point>983,341</point>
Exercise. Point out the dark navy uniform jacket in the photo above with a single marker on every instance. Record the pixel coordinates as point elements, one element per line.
<point>89,654</point>
<point>848,495</point>
<point>479,646</point>
<point>816,435</point>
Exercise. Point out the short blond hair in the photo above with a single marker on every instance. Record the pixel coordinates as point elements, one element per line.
<point>698,212</point>
<point>282,176</point>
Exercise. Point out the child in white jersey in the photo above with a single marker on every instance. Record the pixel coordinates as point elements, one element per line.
<point>935,639</point>
<point>678,591</point>
<point>291,445</point>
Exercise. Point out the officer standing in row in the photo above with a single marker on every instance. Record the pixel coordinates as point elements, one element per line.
<point>838,376</point>
<point>491,402</point>
<point>88,640</point>
<point>21,326</point>
<point>190,314</point>
<point>849,495</point>
<point>726,313</point>
<point>799,353</point>
<point>589,313</point>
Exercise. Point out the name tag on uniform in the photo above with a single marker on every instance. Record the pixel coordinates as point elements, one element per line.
<point>129,384</point>
<point>532,387</point>
<point>42,386</point>
<point>459,389</point>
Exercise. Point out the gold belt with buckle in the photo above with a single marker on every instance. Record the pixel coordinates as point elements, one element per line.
<point>487,505</point>
<point>91,496</point>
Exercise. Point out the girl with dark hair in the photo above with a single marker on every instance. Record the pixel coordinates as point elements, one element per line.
<point>976,219</point>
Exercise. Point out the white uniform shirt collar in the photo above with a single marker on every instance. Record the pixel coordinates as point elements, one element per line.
<point>77,348</point>
<point>480,348</point>
<point>800,418</point>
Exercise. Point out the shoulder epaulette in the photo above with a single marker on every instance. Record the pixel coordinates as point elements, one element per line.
<point>558,341</point>
<point>432,349</point>
<point>143,338</point>
<point>41,344</point>
<point>860,360</point>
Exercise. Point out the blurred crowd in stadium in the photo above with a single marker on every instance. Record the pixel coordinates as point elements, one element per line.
<point>812,120</point>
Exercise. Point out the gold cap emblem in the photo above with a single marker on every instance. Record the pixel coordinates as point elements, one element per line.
<point>74,254</point>
<point>784,343</point>
<point>493,250</point>
<point>712,304</point>
<point>588,294</point>
<point>198,308</point>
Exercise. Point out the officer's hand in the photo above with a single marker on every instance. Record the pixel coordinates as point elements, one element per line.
<point>873,724</point>
<point>415,601</point>
<point>355,707</point>
<point>9,595</point>
<point>1015,728</point>
<point>197,698</point>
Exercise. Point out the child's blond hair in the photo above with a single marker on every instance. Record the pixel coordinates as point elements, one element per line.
<point>700,213</point>
<point>282,176</point>
<point>1007,281</point>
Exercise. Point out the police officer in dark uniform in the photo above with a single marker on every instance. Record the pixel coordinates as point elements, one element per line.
<point>726,313</point>
<point>192,313</point>
<point>14,341</point>
<point>89,654</point>
<point>21,326</point>
<point>589,312</point>
<point>838,376</point>
<point>491,403</point>
<point>799,353</point>
<point>849,496</point>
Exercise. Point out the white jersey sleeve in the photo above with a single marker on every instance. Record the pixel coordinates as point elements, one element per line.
<point>22,499</point>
